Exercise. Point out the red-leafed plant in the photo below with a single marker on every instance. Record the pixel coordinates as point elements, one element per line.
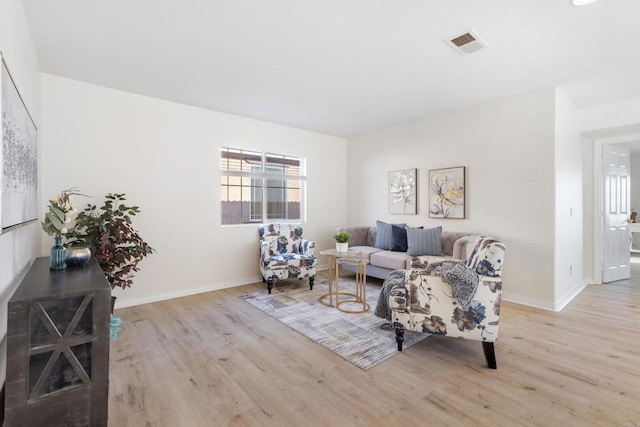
<point>109,234</point>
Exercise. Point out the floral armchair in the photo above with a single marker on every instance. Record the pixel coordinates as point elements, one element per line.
<point>428,301</point>
<point>284,254</point>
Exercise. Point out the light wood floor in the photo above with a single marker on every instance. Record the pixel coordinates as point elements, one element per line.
<point>214,360</point>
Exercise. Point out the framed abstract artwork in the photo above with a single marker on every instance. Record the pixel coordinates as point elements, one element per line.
<point>447,193</point>
<point>18,154</point>
<point>402,192</point>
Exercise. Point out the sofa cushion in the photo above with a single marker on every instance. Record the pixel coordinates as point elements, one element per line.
<point>487,257</point>
<point>384,236</point>
<point>389,259</point>
<point>424,242</point>
<point>365,251</point>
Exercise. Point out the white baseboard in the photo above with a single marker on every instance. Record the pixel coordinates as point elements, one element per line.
<point>566,298</point>
<point>558,305</point>
<point>591,281</point>
<point>122,303</point>
<point>518,299</point>
<point>531,302</point>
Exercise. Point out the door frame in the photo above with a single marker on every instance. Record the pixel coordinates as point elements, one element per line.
<point>598,199</point>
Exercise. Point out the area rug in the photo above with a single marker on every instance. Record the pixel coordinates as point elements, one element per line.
<point>357,338</point>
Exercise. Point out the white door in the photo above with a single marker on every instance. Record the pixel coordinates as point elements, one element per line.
<point>616,234</point>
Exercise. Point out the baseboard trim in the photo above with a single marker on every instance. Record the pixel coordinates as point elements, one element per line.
<point>558,305</point>
<point>531,302</point>
<point>123,303</point>
<point>566,298</point>
<point>517,299</point>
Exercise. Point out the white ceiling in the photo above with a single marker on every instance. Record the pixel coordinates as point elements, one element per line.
<point>341,67</point>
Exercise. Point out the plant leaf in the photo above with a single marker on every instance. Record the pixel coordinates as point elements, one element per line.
<point>57,211</point>
<point>55,221</point>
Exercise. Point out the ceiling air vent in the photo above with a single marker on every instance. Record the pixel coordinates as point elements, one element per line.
<point>467,43</point>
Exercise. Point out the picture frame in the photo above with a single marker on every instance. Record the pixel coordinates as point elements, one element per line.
<point>447,191</point>
<point>18,157</point>
<point>403,192</point>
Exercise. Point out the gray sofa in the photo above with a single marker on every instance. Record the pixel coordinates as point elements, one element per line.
<point>382,262</point>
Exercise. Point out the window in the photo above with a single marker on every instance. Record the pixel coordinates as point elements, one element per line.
<point>260,187</point>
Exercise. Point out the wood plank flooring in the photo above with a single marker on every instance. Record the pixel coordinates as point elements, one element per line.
<point>214,360</point>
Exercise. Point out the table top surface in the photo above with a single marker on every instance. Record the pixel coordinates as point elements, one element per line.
<point>335,253</point>
<point>41,282</point>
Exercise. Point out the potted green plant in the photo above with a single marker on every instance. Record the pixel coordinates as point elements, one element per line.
<point>108,232</point>
<point>57,223</point>
<point>342,241</point>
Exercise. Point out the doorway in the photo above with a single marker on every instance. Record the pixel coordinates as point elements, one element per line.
<point>599,210</point>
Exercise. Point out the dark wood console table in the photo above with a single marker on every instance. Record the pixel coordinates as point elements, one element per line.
<point>58,347</point>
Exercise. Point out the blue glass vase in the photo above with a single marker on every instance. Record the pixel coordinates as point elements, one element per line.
<point>58,255</point>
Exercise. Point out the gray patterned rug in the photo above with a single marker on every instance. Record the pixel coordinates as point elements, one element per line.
<point>355,337</point>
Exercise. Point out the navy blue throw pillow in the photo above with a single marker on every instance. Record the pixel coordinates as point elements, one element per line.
<point>399,238</point>
<point>384,235</point>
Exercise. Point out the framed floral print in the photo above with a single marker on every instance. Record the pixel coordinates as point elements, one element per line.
<point>402,192</point>
<point>447,193</point>
<point>18,155</point>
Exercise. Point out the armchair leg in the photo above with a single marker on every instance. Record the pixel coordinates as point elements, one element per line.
<point>399,335</point>
<point>489,354</point>
<point>269,285</point>
<point>312,279</point>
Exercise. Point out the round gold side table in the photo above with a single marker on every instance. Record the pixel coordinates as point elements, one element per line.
<point>333,256</point>
<point>360,297</point>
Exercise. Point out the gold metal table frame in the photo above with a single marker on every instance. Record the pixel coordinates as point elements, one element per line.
<point>360,296</point>
<point>333,256</point>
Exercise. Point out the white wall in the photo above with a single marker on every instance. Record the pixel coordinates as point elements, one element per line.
<point>18,247</point>
<point>635,182</point>
<point>610,116</point>
<point>569,148</point>
<point>165,157</point>
<point>508,149</point>
<point>634,172</point>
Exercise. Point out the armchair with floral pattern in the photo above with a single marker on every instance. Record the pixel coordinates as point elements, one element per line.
<point>284,254</point>
<point>426,301</point>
